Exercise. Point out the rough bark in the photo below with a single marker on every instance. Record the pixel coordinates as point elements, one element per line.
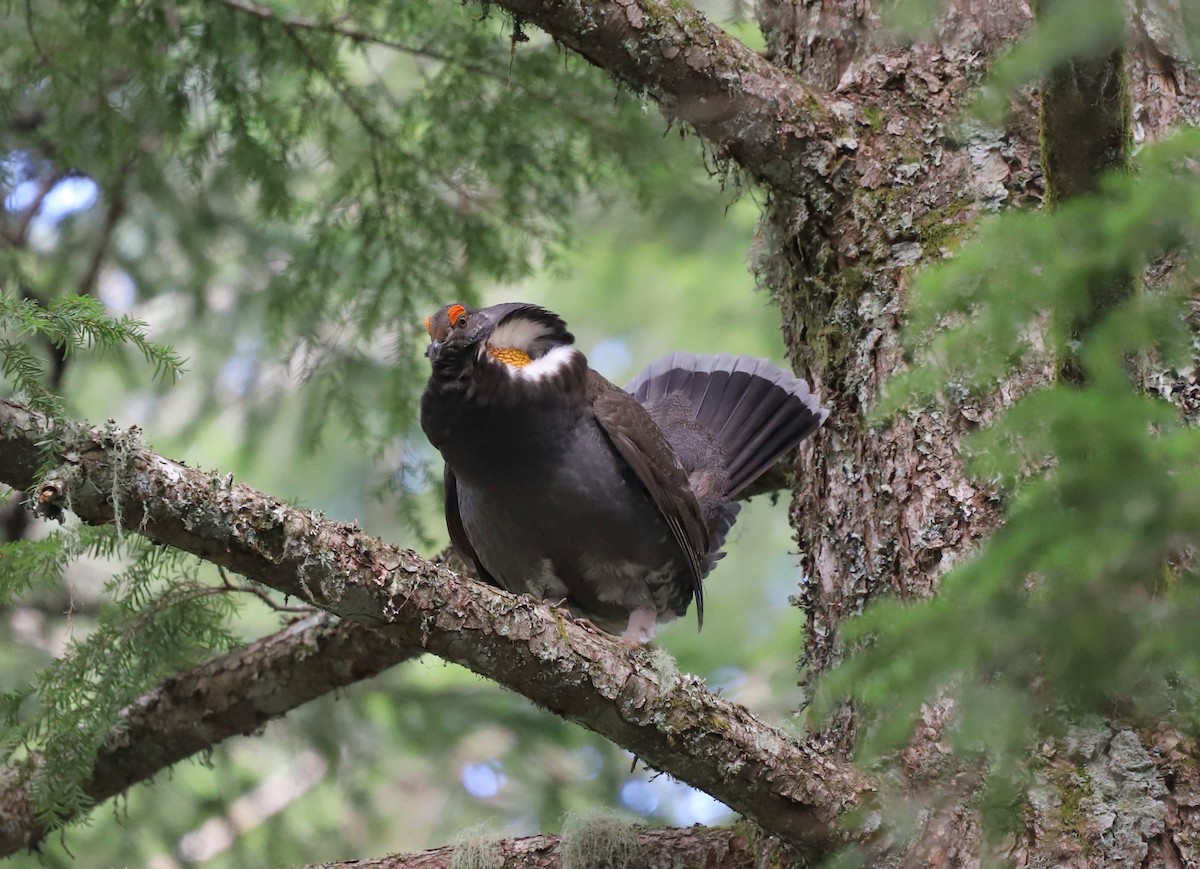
<point>591,843</point>
<point>887,508</point>
<point>635,698</point>
<point>233,695</point>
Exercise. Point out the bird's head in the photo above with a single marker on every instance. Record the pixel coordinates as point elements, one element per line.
<point>518,336</point>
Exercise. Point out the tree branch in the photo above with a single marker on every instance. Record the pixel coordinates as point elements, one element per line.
<point>228,696</point>
<point>670,721</point>
<point>715,848</point>
<point>750,110</point>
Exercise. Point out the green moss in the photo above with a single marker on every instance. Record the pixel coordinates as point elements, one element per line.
<point>1091,94</point>
<point>1072,786</point>
<point>942,228</point>
<point>873,115</point>
<point>666,668</point>
<point>770,852</point>
<point>560,625</point>
<point>853,281</point>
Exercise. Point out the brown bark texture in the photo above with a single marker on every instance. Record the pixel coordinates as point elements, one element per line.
<point>600,842</point>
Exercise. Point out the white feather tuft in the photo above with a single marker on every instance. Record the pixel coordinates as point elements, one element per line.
<point>558,359</point>
<point>516,332</point>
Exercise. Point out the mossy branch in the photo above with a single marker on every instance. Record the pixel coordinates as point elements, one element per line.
<point>750,111</point>
<point>791,788</point>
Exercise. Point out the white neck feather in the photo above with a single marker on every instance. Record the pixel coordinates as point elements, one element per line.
<point>517,333</point>
<point>557,360</point>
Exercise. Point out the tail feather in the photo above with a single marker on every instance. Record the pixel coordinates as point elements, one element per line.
<point>752,409</point>
<point>756,410</point>
<point>769,442</point>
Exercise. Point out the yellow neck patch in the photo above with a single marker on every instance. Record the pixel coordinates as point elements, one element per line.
<point>510,356</point>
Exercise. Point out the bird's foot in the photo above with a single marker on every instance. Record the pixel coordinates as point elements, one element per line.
<point>587,623</point>
<point>578,620</point>
<point>640,630</point>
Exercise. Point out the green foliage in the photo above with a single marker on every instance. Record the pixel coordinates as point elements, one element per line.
<point>1083,605</point>
<point>28,563</point>
<point>68,324</point>
<point>1013,295</point>
<point>158,618</point>
<point>371,161</point>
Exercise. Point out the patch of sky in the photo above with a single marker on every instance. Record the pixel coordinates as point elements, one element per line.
<point>681,804</point>
<point>483,780</point>
<point>69,196</point>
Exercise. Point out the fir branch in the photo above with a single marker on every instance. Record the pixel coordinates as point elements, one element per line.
<point>751,111</point>
<point>161,620</point>
<point>345,31</point>
<point>191,712</point>
<point>70,324</point>
<point>26,563</point>
<point>793,789</point>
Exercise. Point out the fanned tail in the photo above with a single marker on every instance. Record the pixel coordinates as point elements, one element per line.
<point>755,409</point>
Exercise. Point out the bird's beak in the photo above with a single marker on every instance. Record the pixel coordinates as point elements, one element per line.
<point>431,352</point>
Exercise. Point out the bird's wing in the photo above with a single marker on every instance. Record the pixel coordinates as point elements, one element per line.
<point>458,534</point>
<point>640,442</point>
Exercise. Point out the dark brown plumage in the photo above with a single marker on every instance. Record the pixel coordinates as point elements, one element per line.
<point>561,485</point>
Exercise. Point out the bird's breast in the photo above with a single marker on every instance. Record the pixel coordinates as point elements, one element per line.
<point>505,443</point>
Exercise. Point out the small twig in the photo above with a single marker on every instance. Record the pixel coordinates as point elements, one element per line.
<point>228,585</point>
<point>353,34</point>
<point>33,40</point>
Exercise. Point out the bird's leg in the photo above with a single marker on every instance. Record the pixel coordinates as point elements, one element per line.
<point>640,630</point>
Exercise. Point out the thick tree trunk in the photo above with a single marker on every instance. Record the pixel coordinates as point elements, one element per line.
<point>887,509</point>
<point>884,508</point>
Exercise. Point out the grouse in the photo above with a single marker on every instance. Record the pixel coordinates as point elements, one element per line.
<point>560,485</point>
